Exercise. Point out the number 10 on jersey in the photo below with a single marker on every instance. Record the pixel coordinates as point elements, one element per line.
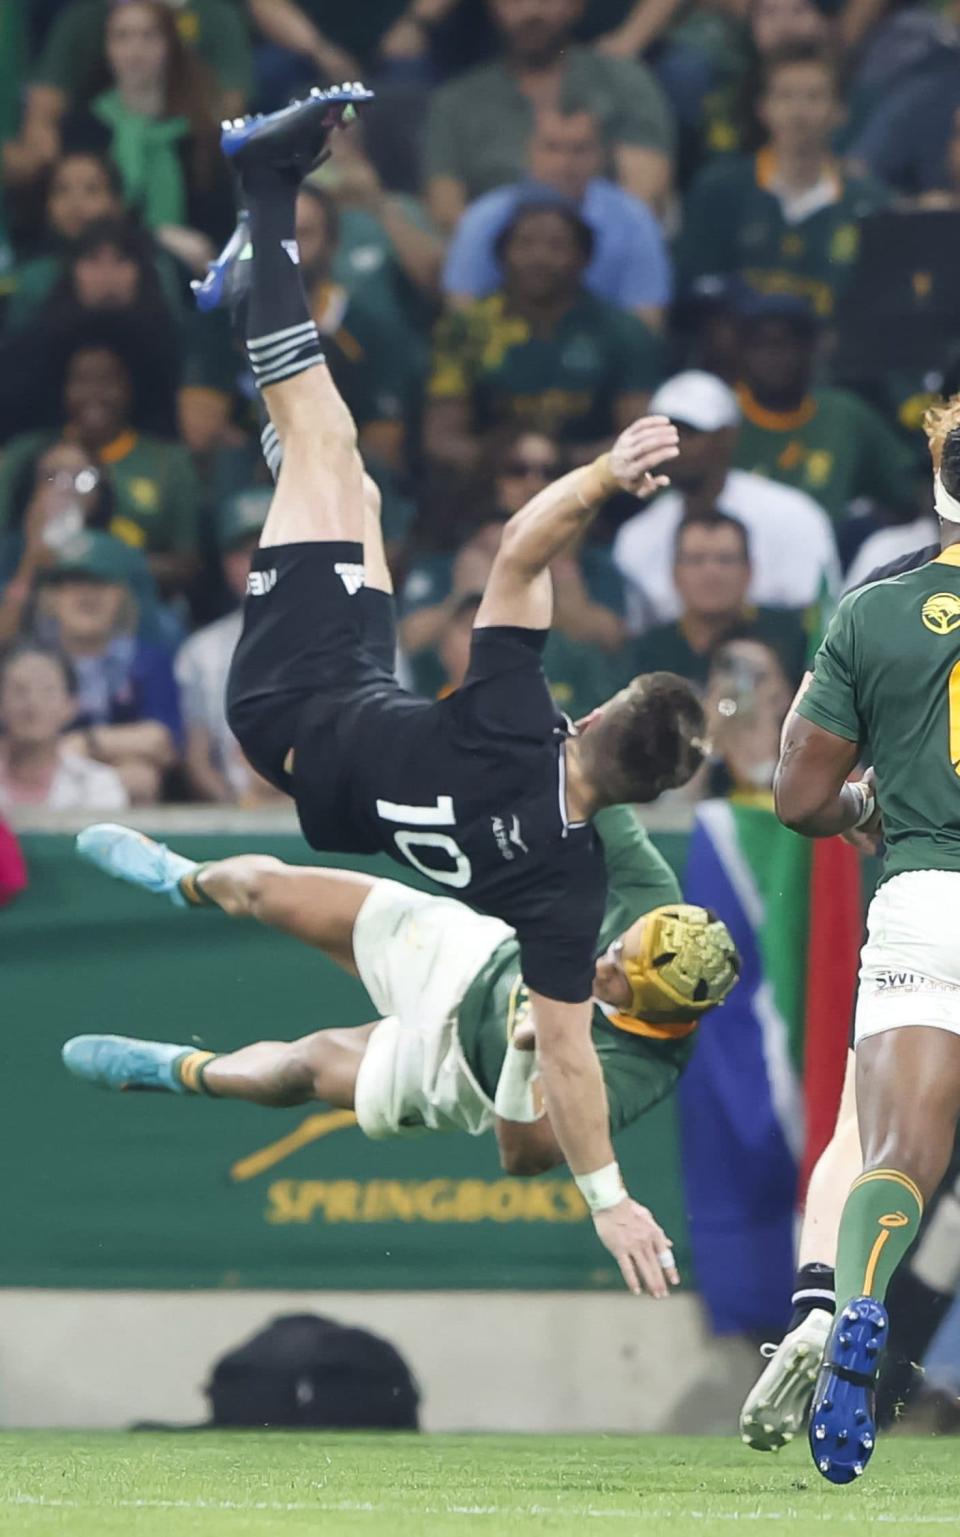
<point>418,834</point>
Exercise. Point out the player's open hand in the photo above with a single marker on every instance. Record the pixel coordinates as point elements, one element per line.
<point>639,1245</point>
<point>640,450</point>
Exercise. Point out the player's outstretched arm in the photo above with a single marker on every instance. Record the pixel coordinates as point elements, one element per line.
<point>576,1103</point>
<point>519,590</point>
<point>811,791</point>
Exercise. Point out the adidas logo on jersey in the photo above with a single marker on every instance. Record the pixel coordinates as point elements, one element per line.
<point>504,837</point>
<point>259,583</point>
<point>352,577</point>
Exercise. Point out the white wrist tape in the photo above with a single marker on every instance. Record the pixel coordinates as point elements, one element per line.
<point>515,1099</point>
<point>868,802</point>
<point>602,1189</point>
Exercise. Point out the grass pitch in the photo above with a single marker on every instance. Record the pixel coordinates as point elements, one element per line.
<point>279,1485</point>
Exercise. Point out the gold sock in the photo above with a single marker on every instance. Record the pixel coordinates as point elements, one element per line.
<point>189,1070</point>
<point>194,893</point>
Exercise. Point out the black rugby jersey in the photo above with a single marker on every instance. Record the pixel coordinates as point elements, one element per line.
<point>470,791</point>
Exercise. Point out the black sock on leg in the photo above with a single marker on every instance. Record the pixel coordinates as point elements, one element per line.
<point>813,1287</point>
<point>282,340</point>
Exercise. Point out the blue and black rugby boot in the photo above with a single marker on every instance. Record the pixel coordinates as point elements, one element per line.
<point>843,1428</point>
<point>295,139</point>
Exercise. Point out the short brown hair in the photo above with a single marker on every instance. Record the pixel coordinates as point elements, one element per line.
<point>791,54</point>
<point>711,521</point>
<point>651,737</point>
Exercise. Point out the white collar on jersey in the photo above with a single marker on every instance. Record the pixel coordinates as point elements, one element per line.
<point>948,507</point>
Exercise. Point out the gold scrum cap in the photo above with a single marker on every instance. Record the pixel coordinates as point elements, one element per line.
<point>680,961</point>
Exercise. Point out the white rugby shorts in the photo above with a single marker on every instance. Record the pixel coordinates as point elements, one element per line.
<point>910,963</point>
<point>417,954</point>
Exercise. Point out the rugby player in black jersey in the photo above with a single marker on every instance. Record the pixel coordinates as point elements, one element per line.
<point>489,793</point>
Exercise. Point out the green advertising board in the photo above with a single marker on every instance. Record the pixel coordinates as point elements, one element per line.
<point>139,1190</point>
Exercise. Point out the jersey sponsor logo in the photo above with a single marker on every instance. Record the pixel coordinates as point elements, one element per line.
<point>911,982</point>
<point>515,837</point>
<point>845,243</point>
<point>500,834</point>
<point>144,492</point>
<point>259,583</point>
<point>508,838</point>
<point>352,577</point>
<point>891,979</point>
<point>941,613</point>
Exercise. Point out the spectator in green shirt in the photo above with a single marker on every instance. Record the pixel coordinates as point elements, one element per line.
<point>542,352</point>
<point>67,72</point>
<point>787,219</point>
<point>109,280</point>
<point>827,442</point>
<point>82,189</point>
<point>729,121</point>
<point>712,573</point>
<point>155,489</point>
<point>53,498</point>
<point>480,124</point>
<point>157,124</point>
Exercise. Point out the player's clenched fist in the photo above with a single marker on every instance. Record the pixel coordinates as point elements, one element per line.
<point>640,450</point>
<point>639,1245</point>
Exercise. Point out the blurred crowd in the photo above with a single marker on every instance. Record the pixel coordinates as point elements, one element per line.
<point>557,215</point>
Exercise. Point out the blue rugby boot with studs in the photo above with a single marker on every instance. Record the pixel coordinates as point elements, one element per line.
<point>843,1428</point>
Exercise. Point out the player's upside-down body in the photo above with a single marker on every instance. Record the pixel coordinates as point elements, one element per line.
<point>454,1048</point>
<point>490,793</point>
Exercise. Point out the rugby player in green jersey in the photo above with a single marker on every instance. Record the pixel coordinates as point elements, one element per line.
<point>453,1049</point>
<point>887,680</point>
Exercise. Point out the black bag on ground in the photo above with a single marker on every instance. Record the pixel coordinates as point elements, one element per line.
<point>307,1372</point>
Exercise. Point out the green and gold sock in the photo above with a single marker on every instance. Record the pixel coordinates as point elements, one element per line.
<point>193,893</point>
<point>189,1069</point>
<point>879,1223</point>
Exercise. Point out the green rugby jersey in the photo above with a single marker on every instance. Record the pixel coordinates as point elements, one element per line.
<point>888,677</point>
<point>834,447</point>
<point>638,1069</point>
<point>735,223</point>
<point>566,383</point>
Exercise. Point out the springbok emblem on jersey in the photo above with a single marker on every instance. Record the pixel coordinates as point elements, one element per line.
<point>941,613</point>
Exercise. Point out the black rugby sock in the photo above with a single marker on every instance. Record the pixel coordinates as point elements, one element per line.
<point>813,1287</point>
<point>282,340</point>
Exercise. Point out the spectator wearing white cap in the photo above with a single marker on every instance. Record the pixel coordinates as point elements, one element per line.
<point>793,554</point>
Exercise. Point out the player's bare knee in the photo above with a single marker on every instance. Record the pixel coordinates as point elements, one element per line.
<point>336,429</point>
<point>295,1074</point>
<point>240,886</point>
<point>524,1163</point>
<point>267,885</point>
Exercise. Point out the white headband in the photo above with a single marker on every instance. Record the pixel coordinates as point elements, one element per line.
<point>948,507</point>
